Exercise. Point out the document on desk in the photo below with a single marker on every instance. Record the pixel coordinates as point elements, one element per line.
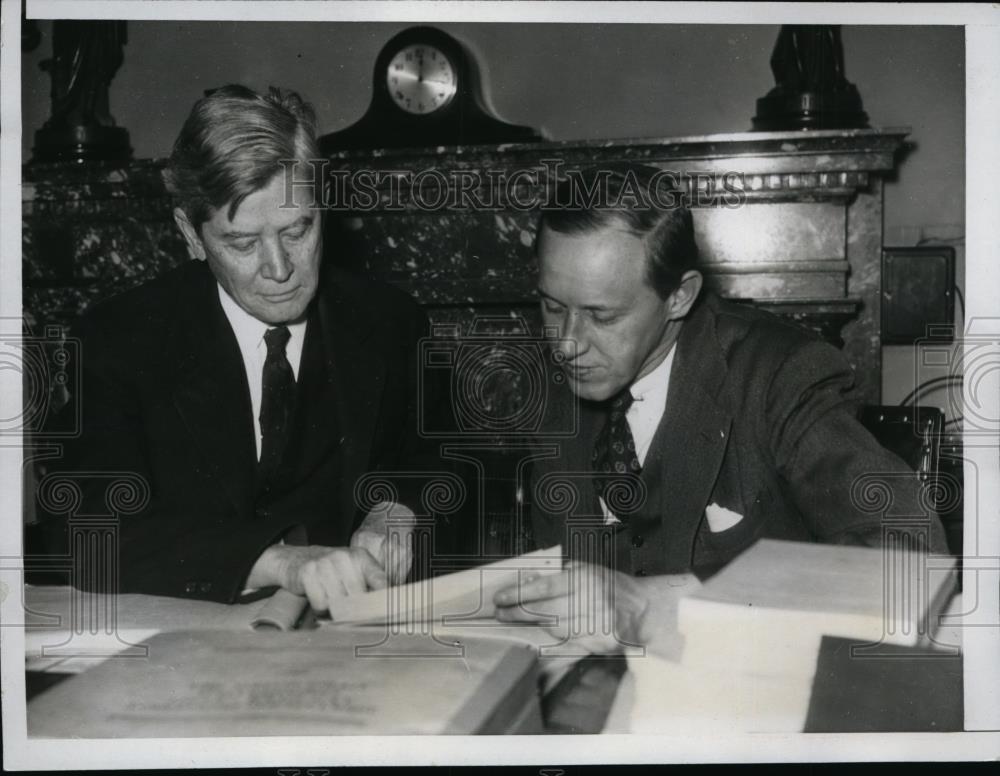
<point>64,625</point>
<point>69,631</point>
<point>62,608</point>
<point>457,596</point>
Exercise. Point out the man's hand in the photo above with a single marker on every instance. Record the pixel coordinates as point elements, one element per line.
<point>386,535</point>
<point>600,610</point>
<point>322,574</point>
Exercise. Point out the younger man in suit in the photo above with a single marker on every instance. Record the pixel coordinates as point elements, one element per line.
<point>727,424</point>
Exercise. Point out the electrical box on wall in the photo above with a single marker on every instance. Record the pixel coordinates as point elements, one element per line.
<point>918,292</point>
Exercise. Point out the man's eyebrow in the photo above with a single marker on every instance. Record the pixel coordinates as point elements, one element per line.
<point>597,308</point>
<point>305,220</point>
<point>237,235</point>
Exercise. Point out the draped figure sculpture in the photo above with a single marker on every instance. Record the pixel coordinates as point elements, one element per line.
<point>86,57</point>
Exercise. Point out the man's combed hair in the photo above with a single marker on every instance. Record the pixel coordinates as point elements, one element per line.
<point>637,198</point>
<point>234,143</point>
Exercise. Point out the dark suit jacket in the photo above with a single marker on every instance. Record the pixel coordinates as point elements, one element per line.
<point>758,421</point>
<point>165,397</point>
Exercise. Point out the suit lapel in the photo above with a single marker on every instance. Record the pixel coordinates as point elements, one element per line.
<point>211,392</point>
<point>684,474</point>
<point>315,421</point>
<point>571,425</point>
<point>355,380</point>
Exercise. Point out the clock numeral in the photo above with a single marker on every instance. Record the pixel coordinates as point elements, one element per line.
<point>409,57</point>
<point>441,95</point>
<point>399,95</point>
<point>398,66</point>
<point>420,107</point>
<point>395,80</point>
<point>434,55</point>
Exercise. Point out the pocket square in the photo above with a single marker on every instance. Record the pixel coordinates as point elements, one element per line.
<point>720,518</point>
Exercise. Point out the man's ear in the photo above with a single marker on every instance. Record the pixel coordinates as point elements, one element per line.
<point>684,296</point>
<point>196,249</point>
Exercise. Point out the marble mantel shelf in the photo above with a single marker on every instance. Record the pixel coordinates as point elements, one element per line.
<point>880,143</point>
<point>763,167</point>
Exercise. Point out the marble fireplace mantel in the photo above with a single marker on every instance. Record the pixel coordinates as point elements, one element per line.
<point>803,239</point>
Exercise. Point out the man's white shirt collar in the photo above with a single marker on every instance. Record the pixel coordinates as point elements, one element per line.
<point>653,386</point>
<point>250,332</point>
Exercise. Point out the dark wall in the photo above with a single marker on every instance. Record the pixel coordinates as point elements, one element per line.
<point>573,81</point>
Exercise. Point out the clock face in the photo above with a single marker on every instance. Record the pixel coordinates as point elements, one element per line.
<point>421,79</point>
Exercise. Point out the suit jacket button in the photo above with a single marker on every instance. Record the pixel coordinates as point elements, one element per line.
<point>638,541</point>
<point>190,587</point>
<point>205,587</point>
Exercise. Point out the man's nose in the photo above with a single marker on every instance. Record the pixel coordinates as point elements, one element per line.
<point>572,336</point>
<point>276,265</point>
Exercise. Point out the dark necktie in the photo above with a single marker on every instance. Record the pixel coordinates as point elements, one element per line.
<point>614,451</point>
<point>277,400</point>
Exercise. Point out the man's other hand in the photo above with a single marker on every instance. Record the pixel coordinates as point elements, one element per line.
<point>386,534</point>
<point>322,574</point>
<point>600,610</point>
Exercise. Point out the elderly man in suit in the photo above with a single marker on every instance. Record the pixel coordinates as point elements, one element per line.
<point>251,387</point>
<point>718,424</point>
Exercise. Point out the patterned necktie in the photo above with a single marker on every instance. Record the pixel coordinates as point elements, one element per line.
<point>277,400</point>
<point>614,450</point>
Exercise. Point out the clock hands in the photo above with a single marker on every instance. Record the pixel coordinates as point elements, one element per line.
<point>421,81</point>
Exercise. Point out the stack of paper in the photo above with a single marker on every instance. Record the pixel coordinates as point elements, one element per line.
<point>752,633</point>
<point>773,604</point>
